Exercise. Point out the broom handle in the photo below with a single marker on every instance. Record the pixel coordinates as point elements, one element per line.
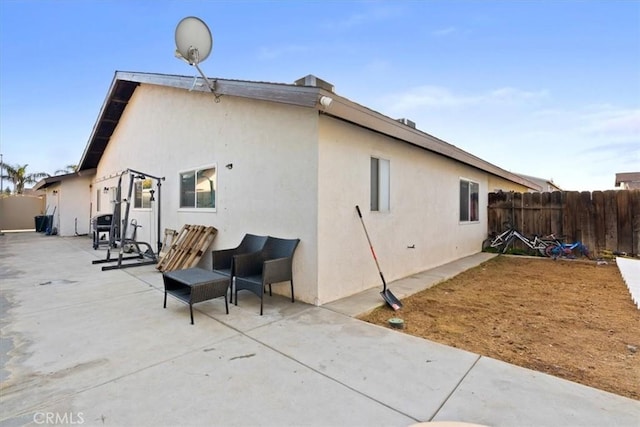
<point>384,282</point>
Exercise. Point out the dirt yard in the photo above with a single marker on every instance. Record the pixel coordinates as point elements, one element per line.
<point>569,318</point>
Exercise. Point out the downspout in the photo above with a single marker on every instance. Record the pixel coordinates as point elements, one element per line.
<point>159,185</point>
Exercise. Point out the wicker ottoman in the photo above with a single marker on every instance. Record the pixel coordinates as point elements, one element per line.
<point>194,285</point>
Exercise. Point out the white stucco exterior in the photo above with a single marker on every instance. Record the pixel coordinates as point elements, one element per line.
<point>296,170</point>
<point>421,230</point>
<point>68,202</point>
<point>271,188</point>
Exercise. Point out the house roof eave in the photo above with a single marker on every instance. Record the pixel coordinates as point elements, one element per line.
<point>347,110</point>
<point>51,180</point>
<point>125,83</point>
<point>118,96</point>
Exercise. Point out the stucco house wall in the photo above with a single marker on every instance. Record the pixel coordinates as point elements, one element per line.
<point>68,202</point>
<point>421,229</point>
<point>293,161</point>
<point>496,183</point>
<point>270,189</point>
<point>53,201</point>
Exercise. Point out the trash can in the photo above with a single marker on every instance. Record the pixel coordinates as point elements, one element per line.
<point>48,224</point>
<point>40,223</point>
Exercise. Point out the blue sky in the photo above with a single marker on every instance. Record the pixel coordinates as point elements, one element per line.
<point>544,88</point>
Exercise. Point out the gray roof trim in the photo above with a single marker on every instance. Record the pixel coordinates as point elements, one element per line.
<point>50,180</point>
<point>124,84</point>
<point>363,116</point>
<point>276,92</point>
<point>113,107</point>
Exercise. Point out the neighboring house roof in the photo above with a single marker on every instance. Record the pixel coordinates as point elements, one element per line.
<point>31,192</point>
<point>49,181</point>
<point>306,92</point>
<point>546,184</point>
<point>629,179</point>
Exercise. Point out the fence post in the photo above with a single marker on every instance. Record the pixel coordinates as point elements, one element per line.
<point>585,220</point>
<point>599,222</point>
<point>610,220</point>
<point>624,222</point>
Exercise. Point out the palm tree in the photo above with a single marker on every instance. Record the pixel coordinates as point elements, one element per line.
<point>19,176</point>
<point>67,169</point>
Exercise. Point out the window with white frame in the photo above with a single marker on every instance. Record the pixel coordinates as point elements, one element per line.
<point>380,184</point>
<point>469,200</point>
<point>142,194</point>
<point>198,188</point>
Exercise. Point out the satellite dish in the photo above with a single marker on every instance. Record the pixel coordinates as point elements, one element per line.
<point>193,40</point>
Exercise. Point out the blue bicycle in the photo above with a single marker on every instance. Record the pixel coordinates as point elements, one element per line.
<point>566,250</point>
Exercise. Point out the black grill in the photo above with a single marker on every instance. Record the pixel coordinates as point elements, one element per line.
<point>101,224</point>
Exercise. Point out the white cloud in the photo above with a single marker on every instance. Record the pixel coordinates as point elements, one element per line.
<point>374,15</point>
<point>531,132</point>
<point>621,122</point>
<point>440,97</point>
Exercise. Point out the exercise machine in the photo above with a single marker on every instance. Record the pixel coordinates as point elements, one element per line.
<point>124,238</point>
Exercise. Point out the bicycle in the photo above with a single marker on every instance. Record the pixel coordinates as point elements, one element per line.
<point>537,244</point>
<point>498,241</point>
<point>566,250</point>
<point>502,241</point>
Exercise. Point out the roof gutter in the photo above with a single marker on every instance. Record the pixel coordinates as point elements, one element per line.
<point>404,130</point>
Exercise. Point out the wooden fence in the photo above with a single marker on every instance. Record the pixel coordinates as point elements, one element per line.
<point>602,220</point>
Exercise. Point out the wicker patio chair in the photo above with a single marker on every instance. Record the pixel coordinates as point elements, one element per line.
<point>273,264</point>
<point>222,260</point>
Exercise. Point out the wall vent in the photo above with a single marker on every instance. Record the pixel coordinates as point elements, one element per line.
<point>311,80</point>
<point>407,122</point>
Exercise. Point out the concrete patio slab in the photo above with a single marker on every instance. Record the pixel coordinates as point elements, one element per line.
<point>63,350</point>
<point>412,375</point>
<point>235,382</point>
<point>497,393</point>
<point>98,347</point>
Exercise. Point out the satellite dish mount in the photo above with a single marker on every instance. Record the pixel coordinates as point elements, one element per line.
<point>194,44</point>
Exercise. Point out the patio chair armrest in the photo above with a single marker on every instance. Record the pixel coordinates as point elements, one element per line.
<point>248,264</point>
<point>276,270</point>
<point>221,259</point>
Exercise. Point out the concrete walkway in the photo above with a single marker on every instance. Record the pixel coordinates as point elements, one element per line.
<point>630,271</point>
<point>83,346</point>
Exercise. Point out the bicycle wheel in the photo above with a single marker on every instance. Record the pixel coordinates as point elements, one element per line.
<point>542,249</point>
<point>553,251</point>
<point>497,242</point>
<point>486,244</point>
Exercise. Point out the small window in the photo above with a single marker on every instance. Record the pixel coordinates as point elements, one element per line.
<point>198,188</point>
<point>380,171</point>
<point>142,196</point>
<point>469,200</point>
<point>98,194</point>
